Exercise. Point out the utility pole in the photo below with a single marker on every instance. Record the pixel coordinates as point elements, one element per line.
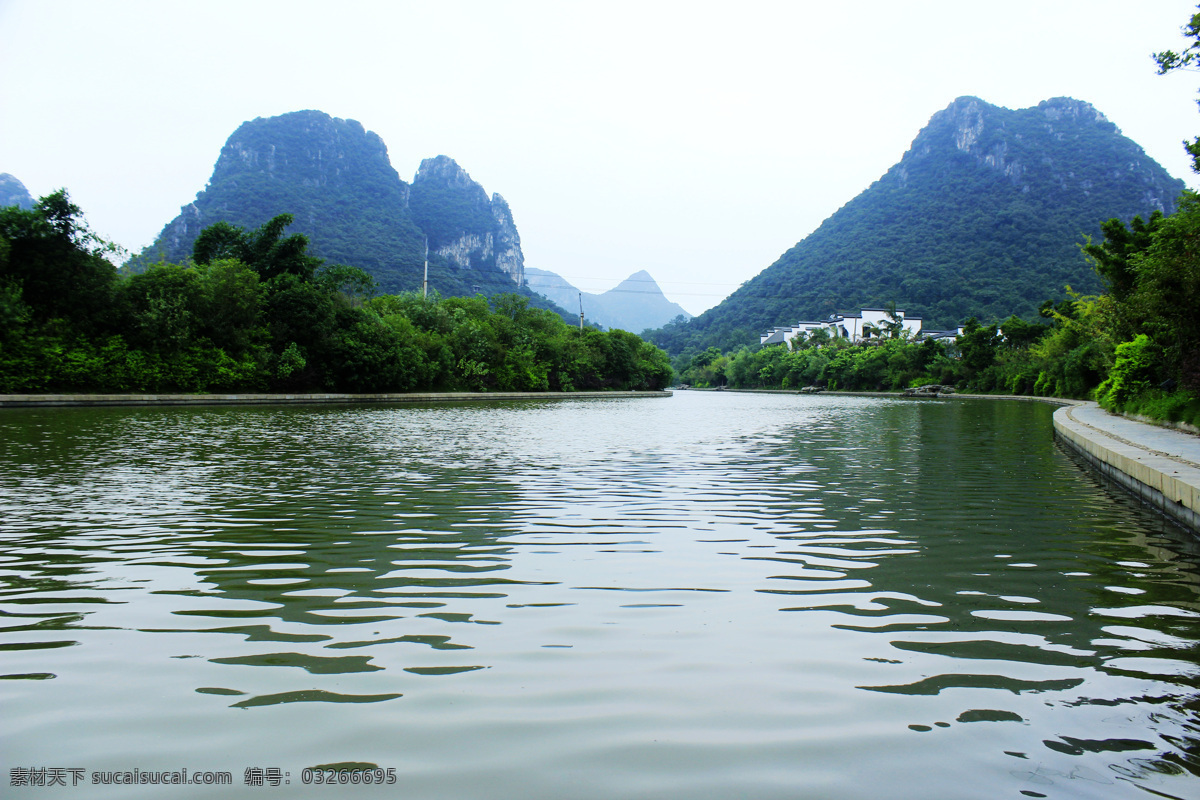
<point>425,284</point>
<point>581,312</point>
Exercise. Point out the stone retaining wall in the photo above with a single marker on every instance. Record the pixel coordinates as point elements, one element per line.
<point>1168,484</point>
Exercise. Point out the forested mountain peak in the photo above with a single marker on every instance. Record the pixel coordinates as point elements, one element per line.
<point>335,178</point>
<point>1042,144</point>
<point>331,174</point>
<point>13,192</point>
<point>982,216</point>
<point>445,170</point>
<point>309,147</point>
<point>1060,107</point>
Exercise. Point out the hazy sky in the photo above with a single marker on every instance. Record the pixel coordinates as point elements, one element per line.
<point>695,140</point>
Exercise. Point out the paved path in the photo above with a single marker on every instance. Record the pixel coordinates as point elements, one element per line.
<point>1177,445</point>
<point>1160,465</point>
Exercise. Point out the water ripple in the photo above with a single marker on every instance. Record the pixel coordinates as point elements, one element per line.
<point>711,595</point>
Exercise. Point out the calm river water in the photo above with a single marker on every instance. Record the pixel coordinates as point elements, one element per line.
<point>713,595</point>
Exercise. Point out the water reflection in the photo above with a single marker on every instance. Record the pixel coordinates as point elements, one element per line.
<point>1012,584</point>
<point>702,595</point>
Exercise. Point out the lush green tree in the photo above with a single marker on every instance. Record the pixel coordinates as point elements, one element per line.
<point>1077,353</point>
<point>231,304</point>
<point>1134,372</point>
<point>1020,334</point>
<point>303,319</point>
<point>356,284</point>
<point>978,346</point>
<point>1167,293</point>
<point>163,304</point>
<point>1111,258</point>
<point>265,249</point>
<point>819,338</point>
<point>368,356</point>
<point>256,312</point>
<point>1188,58</point>
<point>707,357</point>
<point>740,369</point>
<point>54,266</point>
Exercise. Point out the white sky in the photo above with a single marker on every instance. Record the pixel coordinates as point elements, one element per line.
<point>695,140</point>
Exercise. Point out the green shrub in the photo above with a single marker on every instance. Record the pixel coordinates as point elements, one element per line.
<point>1133,373</point>
<point>1176,406</point>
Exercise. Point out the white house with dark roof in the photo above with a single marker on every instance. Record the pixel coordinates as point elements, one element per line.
<point>868,323</point>
<point>786,335</point>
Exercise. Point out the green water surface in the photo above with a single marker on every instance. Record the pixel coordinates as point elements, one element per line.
<point>715,595</point>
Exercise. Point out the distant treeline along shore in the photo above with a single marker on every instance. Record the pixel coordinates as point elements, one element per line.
<point>252,311</point>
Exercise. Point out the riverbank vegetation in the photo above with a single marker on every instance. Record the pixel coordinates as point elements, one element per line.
<point>1135,348</point>
<point>253,311</point>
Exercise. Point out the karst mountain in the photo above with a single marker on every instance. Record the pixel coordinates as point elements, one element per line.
<point>983,216</point>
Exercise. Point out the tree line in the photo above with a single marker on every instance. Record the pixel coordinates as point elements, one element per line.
<point>1134,347</point>
<point>253,311</point>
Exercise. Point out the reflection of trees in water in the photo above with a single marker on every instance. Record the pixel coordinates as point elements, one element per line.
<point>51,549</point>
<point>361,569</point>
<point>302,527</point>
<point>999,559</point>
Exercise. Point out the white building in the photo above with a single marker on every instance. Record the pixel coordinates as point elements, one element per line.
<point>786,335</point>
<point>869,323</point>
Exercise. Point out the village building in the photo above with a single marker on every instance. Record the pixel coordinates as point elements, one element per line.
<point>869,323</point>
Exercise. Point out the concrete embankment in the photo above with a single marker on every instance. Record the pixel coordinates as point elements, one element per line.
<point>1159,465</point>
<point>43,400</point>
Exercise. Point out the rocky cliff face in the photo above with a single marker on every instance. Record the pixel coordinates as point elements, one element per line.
<point>509,258</point>
<point>463,224</point>
<point>1060,142</point>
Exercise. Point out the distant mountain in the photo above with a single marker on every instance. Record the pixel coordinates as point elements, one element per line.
<point>983,216</point>
<point>335,178</point>
<point>13,192</point>
<point>634,305</point>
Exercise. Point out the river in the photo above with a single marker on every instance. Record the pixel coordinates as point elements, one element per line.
<point>712,595</point>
